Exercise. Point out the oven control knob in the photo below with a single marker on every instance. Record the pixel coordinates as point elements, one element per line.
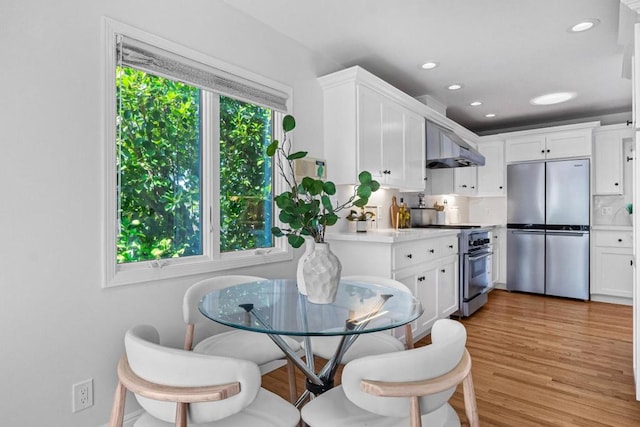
<point>486,241</point>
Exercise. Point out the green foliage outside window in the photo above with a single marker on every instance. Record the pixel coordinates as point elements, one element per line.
<point>245,176</point>
<point>159,191</point>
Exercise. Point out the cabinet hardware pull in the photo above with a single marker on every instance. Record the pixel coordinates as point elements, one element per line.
<point>464,185</point>
<point>450,246</point>
<point>409,256</point>
<point>615,183</point>
<point>473,186</point>
<point>421,278</point>
<point>629,122</point>
<point>501,187</point>
<point>443,271</point>
<point>548,151</point>
<point>542,151</point>
<point>631,262</point>
<point>431,250</point>
<point>619,240</point>
<point>629,158</point>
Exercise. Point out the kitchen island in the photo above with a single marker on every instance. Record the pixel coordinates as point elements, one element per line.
<point>425,260</point>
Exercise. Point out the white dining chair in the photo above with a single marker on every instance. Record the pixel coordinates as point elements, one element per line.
<point>176,387</point>
<point>234,343</point>
<point>366,344</point>
<point>400,389</point>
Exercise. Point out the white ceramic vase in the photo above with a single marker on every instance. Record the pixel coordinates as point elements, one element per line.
<point>309,245</point>
<point>321,271</point>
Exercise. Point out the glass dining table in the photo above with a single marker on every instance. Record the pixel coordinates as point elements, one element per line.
<point>275,307</point>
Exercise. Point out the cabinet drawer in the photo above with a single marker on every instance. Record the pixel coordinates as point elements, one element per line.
<point>448,245</point>
<point>409,254</point>
<point>618,239</point>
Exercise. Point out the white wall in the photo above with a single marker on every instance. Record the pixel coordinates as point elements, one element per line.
<point>58,326</point>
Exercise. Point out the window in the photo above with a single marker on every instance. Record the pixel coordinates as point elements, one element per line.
<point>185,140</point>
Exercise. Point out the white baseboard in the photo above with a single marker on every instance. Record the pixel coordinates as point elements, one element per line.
<point>129,419</point>
<point>611,299</point>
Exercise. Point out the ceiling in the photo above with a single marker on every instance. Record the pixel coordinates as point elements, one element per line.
<point>503,52</point>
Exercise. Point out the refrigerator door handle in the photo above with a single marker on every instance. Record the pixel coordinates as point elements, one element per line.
<point>570,233</point>
<point>527,232</point>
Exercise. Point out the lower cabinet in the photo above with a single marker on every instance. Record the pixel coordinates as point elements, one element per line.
<point>429,267</point>
<point>612,279</point>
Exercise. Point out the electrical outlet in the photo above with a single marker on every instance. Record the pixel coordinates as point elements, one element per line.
<point>607,210</point>
<point>82,395</point>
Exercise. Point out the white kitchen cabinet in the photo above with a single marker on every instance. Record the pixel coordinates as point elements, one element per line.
<point>525,148</point>
<point>428,266</point>
<point>369,126</point>
<point>613,269</point>
<point>609,159</point>
<point>550,143</point>
<point>491,176</point>
<point>499,257</point>
<point>461,181</point>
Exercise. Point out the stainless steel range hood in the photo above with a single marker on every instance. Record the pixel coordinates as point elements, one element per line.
<point>445,149</point>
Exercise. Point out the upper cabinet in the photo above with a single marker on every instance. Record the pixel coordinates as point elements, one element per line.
<point>609,159</point>
<point>459,181</point>
<point>369,125</point>
<point>551,143</point>
<point>491,176</point>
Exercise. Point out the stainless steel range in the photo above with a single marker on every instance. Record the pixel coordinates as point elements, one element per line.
<point>475,269</point>
<point>475,259</point>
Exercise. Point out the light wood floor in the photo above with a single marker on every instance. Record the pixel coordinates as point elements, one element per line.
<point>543,361</point>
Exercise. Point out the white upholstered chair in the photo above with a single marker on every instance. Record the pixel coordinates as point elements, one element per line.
<point>176,386</point>
<point>366,344</point>
<point>400,389</point>
<point>239,344</point>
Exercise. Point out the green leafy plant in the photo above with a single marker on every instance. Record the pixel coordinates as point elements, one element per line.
<point>306,206</point>
<point>363,215</point>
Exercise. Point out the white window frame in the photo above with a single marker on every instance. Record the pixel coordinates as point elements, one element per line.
<point>212,259</point>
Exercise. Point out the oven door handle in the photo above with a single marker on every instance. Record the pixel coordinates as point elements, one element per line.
<point>483,255</point>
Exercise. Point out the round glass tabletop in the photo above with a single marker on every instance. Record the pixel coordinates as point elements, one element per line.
<point>275,306</point>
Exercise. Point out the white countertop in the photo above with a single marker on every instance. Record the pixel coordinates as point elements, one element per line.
<point>612,227</point>
<point>391,235</point>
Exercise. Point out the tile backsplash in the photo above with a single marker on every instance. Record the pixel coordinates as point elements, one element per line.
<point>610,210</point>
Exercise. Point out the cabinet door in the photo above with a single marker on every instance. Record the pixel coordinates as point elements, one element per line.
<point>442,181</point>
<point>427,293</point>
<point>393,143</point>
<point>414,146</point>
<point>448,288</point>
<point>410,281</point>
<point>614,272</point>
<point>491,175</point>
<point>607,163</point>
<point>561,145</point>
<point>370,132</point>
<point>526,147</point>
<point>464,180</point>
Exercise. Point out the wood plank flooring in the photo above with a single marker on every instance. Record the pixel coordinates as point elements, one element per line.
<point>543,361</point>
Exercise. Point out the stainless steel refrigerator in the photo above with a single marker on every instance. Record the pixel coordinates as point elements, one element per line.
<point>548,228</point>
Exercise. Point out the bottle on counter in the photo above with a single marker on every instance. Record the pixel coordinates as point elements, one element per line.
<point>404,215</point>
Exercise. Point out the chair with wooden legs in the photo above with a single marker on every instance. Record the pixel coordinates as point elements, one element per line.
<point>234,343</point>
<point>407,388</point>
<point>366,344</point>
<point>176,387</point>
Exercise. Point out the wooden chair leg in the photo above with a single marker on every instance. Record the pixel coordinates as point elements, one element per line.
<point>117,410</point>
<point>415,418</point>
<point>470,404</point>
<point>408,336</point>
<point>181,415</point>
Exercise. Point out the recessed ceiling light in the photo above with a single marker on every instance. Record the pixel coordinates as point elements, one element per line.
<point>584,25</point>
<point>475,103</point>
<point>455,86</point>
<point>490,115</point>
<point>429,65</point>
<point>553,98</point>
